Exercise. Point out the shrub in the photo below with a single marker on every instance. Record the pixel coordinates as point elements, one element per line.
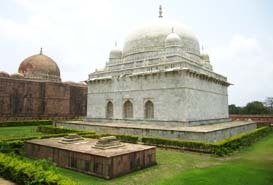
<point>58,130</point>
<point>91,135</point>
<point>88,134</point>
<point>25,123</point>
<point>220,148</point>
<point>27,172</point>
<point>179,144</point>
<point>228,145</point>
<point>11,146</point>
<point>127,138</point>
<point>54,130</point>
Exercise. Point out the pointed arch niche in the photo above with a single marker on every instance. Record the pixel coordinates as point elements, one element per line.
<point>128,111</point>
<point>149,110</point>
<point>109,110</point>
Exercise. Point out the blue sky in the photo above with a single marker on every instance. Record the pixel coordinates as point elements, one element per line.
<point>78,35</point>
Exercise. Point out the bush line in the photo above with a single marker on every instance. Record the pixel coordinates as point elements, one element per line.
<point>30,172</point>
<point>223,147</point>
<point>25,123</point>
<point>87,134</point>
<point>227,146</point>
<point>57,130</point>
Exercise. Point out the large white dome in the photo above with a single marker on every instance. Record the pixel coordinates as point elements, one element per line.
<point>151,37</point>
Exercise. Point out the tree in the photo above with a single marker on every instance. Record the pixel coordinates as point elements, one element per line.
<point>255,107</point>
<point>269,103</point>
<point>233,109</point>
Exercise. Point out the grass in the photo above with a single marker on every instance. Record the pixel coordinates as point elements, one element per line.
<point>18,131</point>
<point>235,173</point>
<point>253,165</point>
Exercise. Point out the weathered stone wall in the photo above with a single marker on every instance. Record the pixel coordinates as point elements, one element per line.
<point>177,96</point>
<point>21,99</point>
<point>262,120</point>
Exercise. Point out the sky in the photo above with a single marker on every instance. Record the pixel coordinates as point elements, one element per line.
<point>78,36</point>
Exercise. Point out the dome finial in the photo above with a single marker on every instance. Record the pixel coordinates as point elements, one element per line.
<point>41,51</point>
<point>160,11</point>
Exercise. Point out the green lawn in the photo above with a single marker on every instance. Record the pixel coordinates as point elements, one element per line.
<point>18,131</point>
<point>253,165</point>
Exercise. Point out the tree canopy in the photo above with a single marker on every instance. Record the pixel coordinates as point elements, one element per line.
<point>255,107</point>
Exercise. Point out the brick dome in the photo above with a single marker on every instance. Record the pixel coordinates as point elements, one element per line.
<point>40,67</point>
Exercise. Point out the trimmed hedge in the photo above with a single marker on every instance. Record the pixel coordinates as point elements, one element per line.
<point>220,148</point>
<point>54,130</point>
<point>127,138</point>
<point>16,144</point>
<point>25,123</point>
<point>88,134</point>
<point>11,146</point>
<point>30,172</point>
<point>58,130</point>
<point>231,144</point>
<point>179,144</point>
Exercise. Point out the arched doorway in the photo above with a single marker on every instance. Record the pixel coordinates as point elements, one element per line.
<point>128,109</point>
<point>109,110</point>
<point>149,110</point>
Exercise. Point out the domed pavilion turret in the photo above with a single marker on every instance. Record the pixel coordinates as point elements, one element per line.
<point>115,53</point>
<point>4,74</point>
<point>40,67</point>
<point>205,59</point>
<point>173,40</point>
<point>17,75</point>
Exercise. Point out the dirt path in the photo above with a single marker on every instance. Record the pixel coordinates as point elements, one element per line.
<point>5,182</point>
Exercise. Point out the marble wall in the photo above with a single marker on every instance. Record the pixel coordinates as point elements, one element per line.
<point>176,95</point>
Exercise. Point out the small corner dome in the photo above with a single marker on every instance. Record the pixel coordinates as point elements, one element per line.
<point>40,66</point>
<point>4,74</point>
<point>115,53</point>
<point>172,39</point>
<point>204,55</point>
<point>17,75</point>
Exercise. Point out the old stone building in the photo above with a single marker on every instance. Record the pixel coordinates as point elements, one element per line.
<point>160,76</point>
<point>37,92</point>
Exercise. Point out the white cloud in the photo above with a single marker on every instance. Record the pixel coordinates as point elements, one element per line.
<point>69,31</point>
<point>246,63</point>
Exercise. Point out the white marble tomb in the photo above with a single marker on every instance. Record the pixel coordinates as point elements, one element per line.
<point>160,76</point>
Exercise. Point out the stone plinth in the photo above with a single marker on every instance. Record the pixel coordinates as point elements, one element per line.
<point>83,157</point>
<point>205,133</point>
